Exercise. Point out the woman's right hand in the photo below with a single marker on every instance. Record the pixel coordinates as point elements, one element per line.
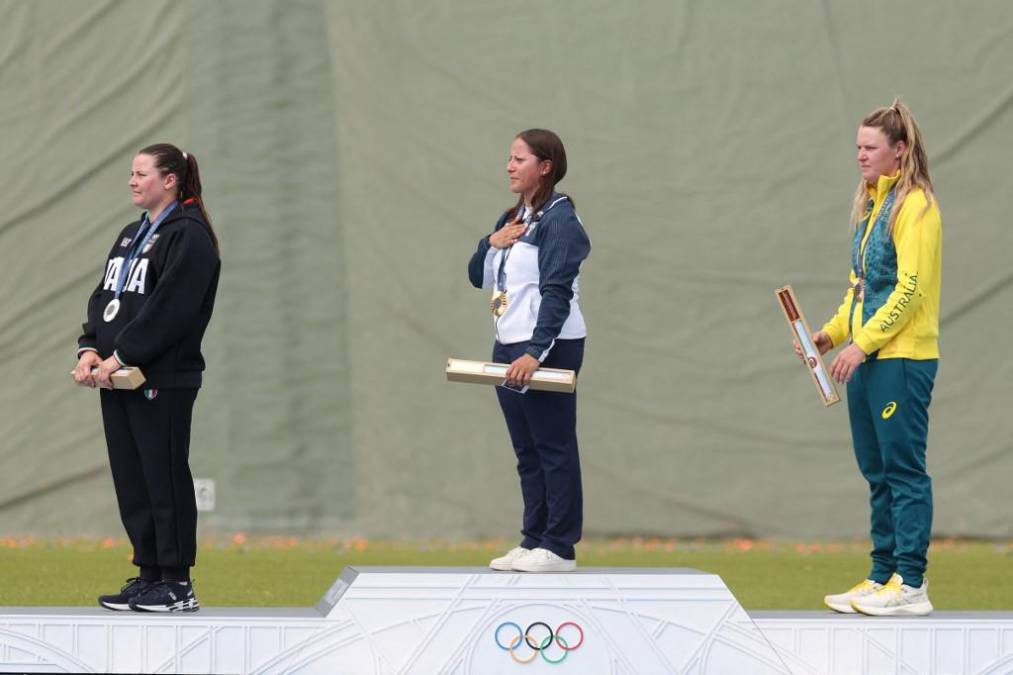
<point>507,236</point>
<point>820,339</point>
<point>82,373</point>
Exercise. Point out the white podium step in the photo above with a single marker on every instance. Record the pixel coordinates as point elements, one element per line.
<point>810,643</point>
<point>457,621</point>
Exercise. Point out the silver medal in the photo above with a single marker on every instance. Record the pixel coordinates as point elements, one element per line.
<point>111,310</point>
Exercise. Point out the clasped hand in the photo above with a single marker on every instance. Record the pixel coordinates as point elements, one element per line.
<point>103,370</point>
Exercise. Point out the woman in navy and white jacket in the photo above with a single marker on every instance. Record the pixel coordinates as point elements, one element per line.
<point>531,263</point>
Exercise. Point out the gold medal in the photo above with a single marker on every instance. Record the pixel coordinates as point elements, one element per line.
<point>498,304</point>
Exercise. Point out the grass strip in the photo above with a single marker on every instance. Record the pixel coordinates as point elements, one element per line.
<point>291,572</point>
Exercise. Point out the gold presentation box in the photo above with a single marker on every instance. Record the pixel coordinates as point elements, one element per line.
<point>484,372</point>
<point>124,378</point>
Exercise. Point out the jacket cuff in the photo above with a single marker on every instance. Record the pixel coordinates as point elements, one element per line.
<point>538,354</point>
<point>863,343</point>
<point>124,358</point>
<point>835,337</point>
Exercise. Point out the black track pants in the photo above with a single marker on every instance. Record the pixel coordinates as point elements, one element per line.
<point>149,447</point>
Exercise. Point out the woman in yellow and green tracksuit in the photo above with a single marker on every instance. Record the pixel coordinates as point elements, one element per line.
<point>890,322</point>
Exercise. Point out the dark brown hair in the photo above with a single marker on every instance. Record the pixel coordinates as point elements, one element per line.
<point>545,145</point>
<point>171,160</point>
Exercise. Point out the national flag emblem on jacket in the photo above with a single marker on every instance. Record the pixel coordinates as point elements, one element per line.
<point>151,242</point>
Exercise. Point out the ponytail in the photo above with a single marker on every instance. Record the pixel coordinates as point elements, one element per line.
<point>191,189</point>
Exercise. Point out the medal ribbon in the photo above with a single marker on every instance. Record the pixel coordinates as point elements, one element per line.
<point>857,247</point>
<point>861,241</point>
<point>501,273</point>
<point>139,244</point>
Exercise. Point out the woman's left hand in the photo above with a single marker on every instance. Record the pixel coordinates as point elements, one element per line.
<point>105,369</point>
<point>520,371</point>
<point>846,362</point>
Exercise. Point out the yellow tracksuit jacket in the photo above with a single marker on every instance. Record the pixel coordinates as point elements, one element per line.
<point>899,317</point>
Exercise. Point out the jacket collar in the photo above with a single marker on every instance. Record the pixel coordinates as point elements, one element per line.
<point>882,187</point>
<point>554,200</point>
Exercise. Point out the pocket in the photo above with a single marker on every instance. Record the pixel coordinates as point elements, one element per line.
<point>919,379</point>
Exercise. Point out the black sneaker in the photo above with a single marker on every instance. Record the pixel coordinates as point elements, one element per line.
<point>121,601</point>
<point>166,596</point>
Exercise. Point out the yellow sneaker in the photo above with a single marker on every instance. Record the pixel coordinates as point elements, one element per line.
<point>895,599</point>
<point>842,601</point>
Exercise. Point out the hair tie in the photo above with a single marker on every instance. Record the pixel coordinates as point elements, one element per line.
<point>184,157</point>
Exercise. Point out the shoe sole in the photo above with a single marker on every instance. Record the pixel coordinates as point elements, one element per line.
<point>536,570</point>
<point>116,607</point>
<point>166,609</point>
<point>840,609</point>
<point>501,567</point>
<point>917,609</point>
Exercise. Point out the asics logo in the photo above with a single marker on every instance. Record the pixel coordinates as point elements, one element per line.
<point>888,410</point>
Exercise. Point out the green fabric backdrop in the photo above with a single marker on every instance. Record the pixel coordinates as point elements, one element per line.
<point>353,153</point>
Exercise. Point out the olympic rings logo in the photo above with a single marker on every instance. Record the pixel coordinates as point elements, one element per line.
<point>540,645</point>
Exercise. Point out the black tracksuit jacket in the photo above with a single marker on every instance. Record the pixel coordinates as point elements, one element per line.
<point>166,303</point>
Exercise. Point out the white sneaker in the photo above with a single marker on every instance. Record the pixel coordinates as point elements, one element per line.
<point>896,599</point>
<point>505,563</point>
<point>543,560</point>
<point>842,601</point>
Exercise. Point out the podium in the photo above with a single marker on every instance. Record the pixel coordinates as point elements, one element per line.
<point>459,621</point>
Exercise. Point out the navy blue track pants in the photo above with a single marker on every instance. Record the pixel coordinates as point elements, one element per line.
<point>543,430</point>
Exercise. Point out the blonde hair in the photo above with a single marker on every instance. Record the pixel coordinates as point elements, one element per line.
<point>898,124</point>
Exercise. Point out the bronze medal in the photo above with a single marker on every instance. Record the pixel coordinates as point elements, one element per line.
<point>860,290</point>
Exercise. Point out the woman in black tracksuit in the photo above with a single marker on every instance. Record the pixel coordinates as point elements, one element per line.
<point>150,310</point>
